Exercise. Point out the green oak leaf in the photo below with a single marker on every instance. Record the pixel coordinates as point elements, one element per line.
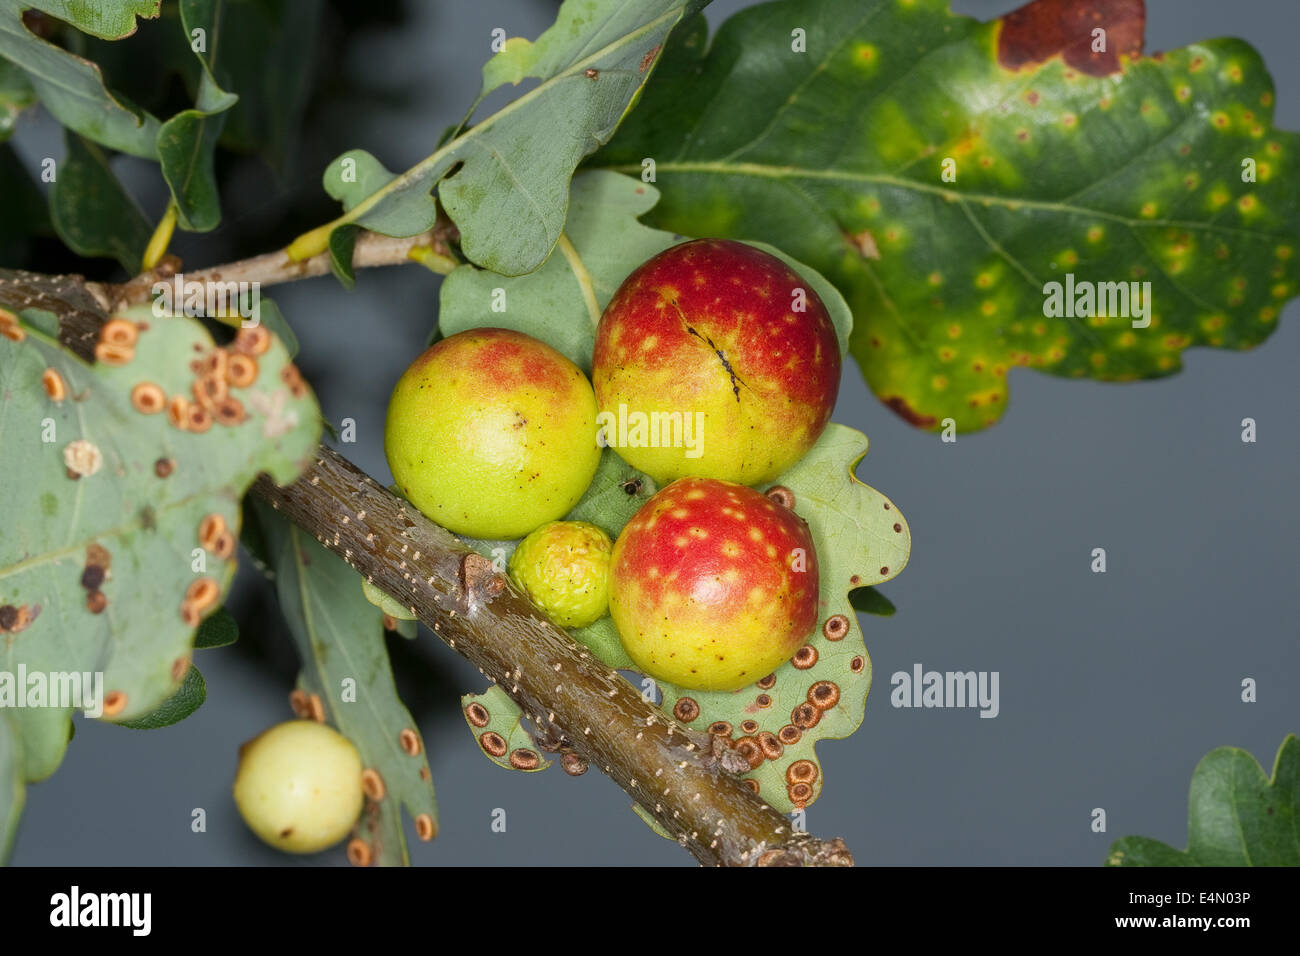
<point>128,527</point>
<point>218,629</point>
<point>188,698</point>
<point>25,211</point>
<point>72,88</point>
<point>340,640</point>
<point>91,211</point>
<point>871,601</point>
<point>13,783</point>
<point>270,70</point>
<point>497,724</point>
<point>603,241</point>
<point>389,605</point>
<point>188,141</point>
<point>16,94</point>
<point>1236,815</point>
<point>590,65</point>
<point>1113,168</point>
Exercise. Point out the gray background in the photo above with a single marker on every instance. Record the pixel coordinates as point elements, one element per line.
<point>1113,686</point>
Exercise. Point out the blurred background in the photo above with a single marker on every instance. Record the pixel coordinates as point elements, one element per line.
<point>1113,685</point>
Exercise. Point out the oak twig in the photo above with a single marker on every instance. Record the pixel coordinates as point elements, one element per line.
<point>430,249</point>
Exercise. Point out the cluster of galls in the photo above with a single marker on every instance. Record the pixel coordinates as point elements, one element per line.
<point>733,361</point>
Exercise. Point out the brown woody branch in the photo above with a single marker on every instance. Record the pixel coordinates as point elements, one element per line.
<point>685,780</point>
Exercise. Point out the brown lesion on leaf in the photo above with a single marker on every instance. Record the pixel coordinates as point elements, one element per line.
<point>15,618</point>
<point>898,405</point>
<point>864,243</point>
<point>649,57</point>
<point>1044,29</point>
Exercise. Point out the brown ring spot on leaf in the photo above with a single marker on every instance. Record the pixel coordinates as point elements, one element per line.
<point>522,758</point>
<point>197,419</point>
<point>800,794</point>
<point>14,333</point>
<point>836,627</point>
<point>163,467</point>
<point>118,331</point>
<point>252,341</point>
<point>748,748</point>
<point>410,742</point>
<point>241,370</point>
<point>801,771</point>
<point>96,602</point>
<point>789,735</point>
<point>763,700</point>
<point>573,765</point>
<point>805,657</point>
<point>649,57</point>
<point>782,495</point>
<point>290,375</point>
<point>720,728</point>
<point>189,614</point>
<point>425,828</point>
<point>213,365</point>
<point>767,683</point>
<point>372,784</point>
<point>202,593</point>
<point>210,391</point>
<point>210,527</point>
<point>857,664</point>
<point>359,853</point>
<point>772,747</point>
<point>477,714</point>
<point>751,783</point>
<point>114,703</point>
<point>179,667</point>
<point>229,411</point>
<point>178,412</point>
<point>117,355</point>
<point>686,709</point>
<point>824,694</point>
<point>55,388</point>
<point>749,727</point>
<point>493,743</point>
<point>805,716</point>
<point>316,708</point>
<point>224,546</point>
